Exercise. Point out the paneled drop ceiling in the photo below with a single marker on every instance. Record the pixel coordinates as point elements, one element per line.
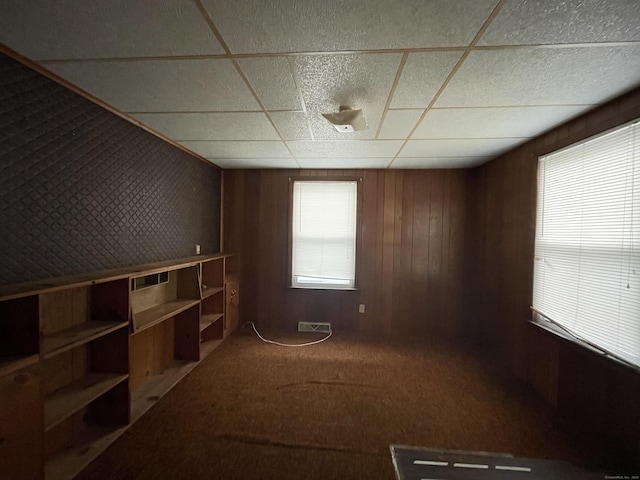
<point>442,83</point>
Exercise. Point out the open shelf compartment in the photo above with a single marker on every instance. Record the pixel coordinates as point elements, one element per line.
<point>157,303</point>
<point>77,335</point>
<point>154,315</point>
<point>208,320</point>
<point>19,334</point>
<point>212,276</point>
<point>208,291</point>
<point>63,403</point>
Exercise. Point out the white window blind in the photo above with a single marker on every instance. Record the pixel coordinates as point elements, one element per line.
<point>587,249</point>
<point>324,234</point>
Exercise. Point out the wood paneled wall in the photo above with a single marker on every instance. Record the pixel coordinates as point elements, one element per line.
<point>445,252</point>
<point>410,261</point>
<point>499,264</point>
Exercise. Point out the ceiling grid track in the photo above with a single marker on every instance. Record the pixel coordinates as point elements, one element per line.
<point>403,62</point>
<point>53,61</point>
<point>440,84</point>
<point>224,45</point>
<point>301,97</point>
<point>455,69</point>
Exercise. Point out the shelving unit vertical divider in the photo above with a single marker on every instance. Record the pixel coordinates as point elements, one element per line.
<point>187,323</point>
<point>213,299</point>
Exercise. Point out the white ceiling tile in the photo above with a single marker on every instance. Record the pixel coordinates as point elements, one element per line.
<point>291,125</point>
<point>496,100</point>
<point>335,25</point>
<point>439,162</point>
<point>345,149</point>
<point>399,123</point>
<point>255,162</point>
<point>328,81</point>
<point>422,77</point>
<point>162,85</point>
<point>532,22</point>
<point>345,163</point>
<point>543,76</point>
<point>210,126</point>
<point>272,79</point>
<point>257,149</point>
<point>75,29</point>
<point>361,81</point>
<point>493,122</point>
<point>480,147</point>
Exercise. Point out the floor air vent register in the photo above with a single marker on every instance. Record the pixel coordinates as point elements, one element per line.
<point>322,327</point>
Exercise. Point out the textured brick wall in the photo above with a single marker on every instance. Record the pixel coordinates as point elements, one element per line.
<point>83,190</point>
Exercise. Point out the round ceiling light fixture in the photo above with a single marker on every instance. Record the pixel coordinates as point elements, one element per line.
<point>347,119</point>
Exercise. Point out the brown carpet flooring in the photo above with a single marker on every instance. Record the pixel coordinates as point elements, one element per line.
<point>257,411</point>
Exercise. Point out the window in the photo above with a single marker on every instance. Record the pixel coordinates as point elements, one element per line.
<point>587,249</point>
<point>323,234</point>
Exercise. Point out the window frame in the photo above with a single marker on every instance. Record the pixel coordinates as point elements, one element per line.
<point>538,318</point>
<point>358,245</point>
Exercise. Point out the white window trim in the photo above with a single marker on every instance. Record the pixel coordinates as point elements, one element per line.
<point>301,279</point>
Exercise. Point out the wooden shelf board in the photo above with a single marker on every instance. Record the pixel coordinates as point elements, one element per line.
<point>12,364</point>
<point>69,462</point>
<point>207,292</point>
<point>207,320</point>
<point>209,346</point>
<point>152,316</point>
<point>68,400</point>
<point>156,386</point>
<point>72,337</point>
<point>42,286</point>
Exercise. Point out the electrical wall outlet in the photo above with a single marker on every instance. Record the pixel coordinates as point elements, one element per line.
<point>361,308</point>
<point>197,249</point>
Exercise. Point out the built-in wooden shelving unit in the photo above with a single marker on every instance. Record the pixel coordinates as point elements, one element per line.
<point>83,357</point>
